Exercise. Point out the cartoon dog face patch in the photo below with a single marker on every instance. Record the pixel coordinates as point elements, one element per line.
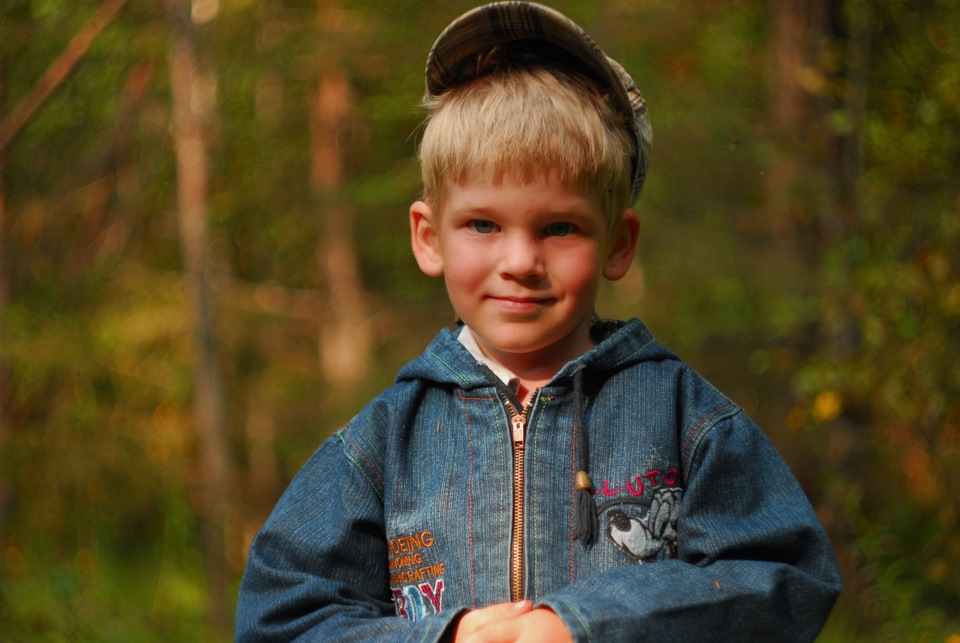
<point>650,536</point>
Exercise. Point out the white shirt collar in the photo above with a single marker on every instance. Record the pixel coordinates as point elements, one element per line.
<point>468,340</point>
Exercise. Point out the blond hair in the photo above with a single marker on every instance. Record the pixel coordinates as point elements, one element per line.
<point>526,122</point>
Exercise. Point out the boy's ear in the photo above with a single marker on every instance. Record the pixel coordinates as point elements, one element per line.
<point>623,245</point>
<point>425,239</point>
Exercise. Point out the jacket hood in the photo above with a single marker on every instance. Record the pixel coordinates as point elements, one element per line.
<point>447,361</point>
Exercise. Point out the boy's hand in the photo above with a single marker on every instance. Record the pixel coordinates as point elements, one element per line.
<point>509,623</point>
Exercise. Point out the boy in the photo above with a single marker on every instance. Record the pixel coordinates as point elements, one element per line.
<point>537,474</point>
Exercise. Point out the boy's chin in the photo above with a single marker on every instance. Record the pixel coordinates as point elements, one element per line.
<point>519,343</point>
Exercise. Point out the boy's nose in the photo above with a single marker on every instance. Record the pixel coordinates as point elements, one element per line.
<point>521,258</point>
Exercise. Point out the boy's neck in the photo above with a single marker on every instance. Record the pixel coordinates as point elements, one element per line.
<point>524,373</point>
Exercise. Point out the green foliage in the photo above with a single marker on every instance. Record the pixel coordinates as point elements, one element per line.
<point>881,393</point>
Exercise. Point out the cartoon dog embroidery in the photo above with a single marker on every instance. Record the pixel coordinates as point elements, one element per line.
<point>650,537</point>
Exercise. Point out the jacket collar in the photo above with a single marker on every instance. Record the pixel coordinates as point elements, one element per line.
<point>447,361</point>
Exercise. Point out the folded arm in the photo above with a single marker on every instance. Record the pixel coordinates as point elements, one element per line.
<point>753,562</point>
<point>317,571</point>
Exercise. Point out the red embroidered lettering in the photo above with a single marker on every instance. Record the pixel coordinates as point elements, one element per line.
<point>635,492</point>
<point>655,479</point>
<point>400,601</point>
<point>606,489</point>
<point>434,594</point>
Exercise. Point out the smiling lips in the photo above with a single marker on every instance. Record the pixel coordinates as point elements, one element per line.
<point>522,304</point>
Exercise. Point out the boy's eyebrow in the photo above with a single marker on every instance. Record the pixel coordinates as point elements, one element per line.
<point>487,212</point>
<point>468,210</point>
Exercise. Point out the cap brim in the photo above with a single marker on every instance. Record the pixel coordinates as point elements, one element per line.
<point>479,30</point>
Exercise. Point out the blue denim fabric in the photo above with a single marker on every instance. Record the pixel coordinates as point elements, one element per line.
<point>402,519</point>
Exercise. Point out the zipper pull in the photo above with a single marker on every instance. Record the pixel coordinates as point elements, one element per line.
<point>519,424</point>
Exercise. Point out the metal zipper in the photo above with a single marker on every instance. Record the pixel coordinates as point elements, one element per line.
<point>518,429</point>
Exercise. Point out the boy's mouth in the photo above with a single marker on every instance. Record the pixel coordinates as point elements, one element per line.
<point>522,304</point>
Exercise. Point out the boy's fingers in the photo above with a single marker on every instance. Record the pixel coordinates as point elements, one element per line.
<point>475,620</point>
<point>498,631</point>
<point>536,626</point>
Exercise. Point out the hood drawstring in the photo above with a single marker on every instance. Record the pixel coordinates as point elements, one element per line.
<point>586,524</point>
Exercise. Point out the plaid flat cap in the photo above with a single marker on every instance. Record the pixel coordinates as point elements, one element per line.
<point>453,57</point>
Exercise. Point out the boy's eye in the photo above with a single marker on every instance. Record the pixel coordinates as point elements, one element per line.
<point>483,227</point>
<point>559,229</point>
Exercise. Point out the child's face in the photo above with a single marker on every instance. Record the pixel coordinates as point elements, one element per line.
<point>522,263</point>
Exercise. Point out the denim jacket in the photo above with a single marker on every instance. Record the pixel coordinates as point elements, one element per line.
<point>414,511</point>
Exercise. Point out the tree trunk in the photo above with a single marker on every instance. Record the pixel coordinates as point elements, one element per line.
<point>345,335</point>
<point>5,419</point>
<point>856,24</point>
<point>798,88</point>
<point>192,111</point>
<point>58,70</point>
<point>821,53</point>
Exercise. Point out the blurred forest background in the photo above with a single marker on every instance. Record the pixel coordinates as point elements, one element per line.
<point>204,270</point>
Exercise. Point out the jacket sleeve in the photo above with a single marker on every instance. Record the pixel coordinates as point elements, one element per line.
<point>317,570</point>
<point>753,562</point>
